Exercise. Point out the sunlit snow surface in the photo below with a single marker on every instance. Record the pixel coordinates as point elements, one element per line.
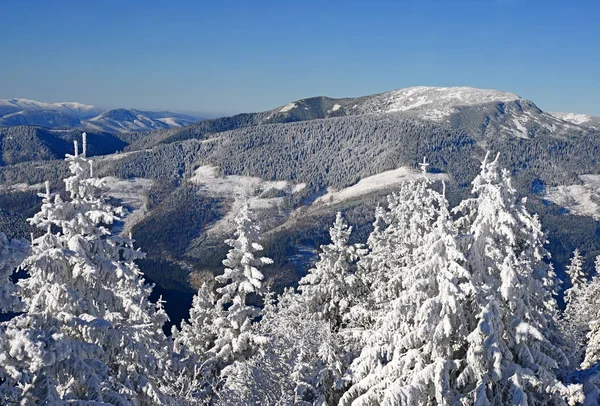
<point>573,117</point>
<point>132,194</point>
<point>582,200</point>
<point>373,183</point>
<point>433,103</point>
<point>287,107</point>
<point>241,188</point>
<point>75,108</point>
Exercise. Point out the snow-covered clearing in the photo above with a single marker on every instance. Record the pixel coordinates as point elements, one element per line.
<point>583,199</point>
<point>374,183</point>
<point>132,193</point>
<point>21,187</point>
<point>241,188</point>
<point>287,107</point>
<point>573,117</point>
<point>169,121</point>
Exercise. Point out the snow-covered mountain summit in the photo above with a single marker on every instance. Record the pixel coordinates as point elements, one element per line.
<point>74,108</point>
<point>433,103</point>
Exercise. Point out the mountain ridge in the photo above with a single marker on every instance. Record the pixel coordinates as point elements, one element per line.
<point>15,112</point>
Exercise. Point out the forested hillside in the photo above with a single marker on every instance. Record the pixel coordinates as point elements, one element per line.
<point>434,305</point>
<point>299,164</point>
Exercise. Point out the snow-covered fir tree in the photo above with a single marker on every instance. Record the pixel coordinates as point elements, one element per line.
<point>89,332</point>
<point>332,284</point>
<point>12,253</point>
<point>219,331</point>
<point>234,339</point>
<point>414,347</point>
<point>576,276</point>
<point>329,290</point>
<point>585,309</point>
<point>511,357</point>
<point>292,368</point>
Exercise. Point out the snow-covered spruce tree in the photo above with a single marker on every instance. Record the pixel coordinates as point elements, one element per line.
<point>330,288</point>
<point>89,331</point>
<point>197,368</point>
<point>12,253</point>
<point>219,331</point>
<point>575,320</point>
<point>234,339</point>
<point>415,346</point>
<point>576,276</point>
<point>398,231</point>
<point>287,371</point>
<point>510,358</point>
<point>586,309</point>
<point>331,285</point>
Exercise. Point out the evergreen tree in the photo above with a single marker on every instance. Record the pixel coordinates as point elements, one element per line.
<point>232,326</point>
<point>585,311</point>
<point>576,276</point>
<point>331,285</point>
<point>12,253</point>
<point>89,331</point>
<point>414,346</point>
<point>292,368</point>
<point>510,358</point>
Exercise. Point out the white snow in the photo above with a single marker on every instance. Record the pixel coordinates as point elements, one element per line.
<point>434,103</point>
<point>133,194</point>
<point>287,107</point>
<point>336,107</point>
<point>573,117</point>
<point>374,183</point>
<point>241,188</point>
<point>22,187</point>
<point>75,108</point>
<point>521,130</point>
<point>579,199</point>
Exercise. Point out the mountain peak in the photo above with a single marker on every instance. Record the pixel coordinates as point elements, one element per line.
<point>434,103</point>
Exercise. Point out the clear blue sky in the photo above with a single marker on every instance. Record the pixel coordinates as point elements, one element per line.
<point>225,57</point>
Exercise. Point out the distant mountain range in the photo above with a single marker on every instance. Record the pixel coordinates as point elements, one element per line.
<point>66,115</point>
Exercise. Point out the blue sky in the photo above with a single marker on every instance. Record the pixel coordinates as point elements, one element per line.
<point>224,57</point>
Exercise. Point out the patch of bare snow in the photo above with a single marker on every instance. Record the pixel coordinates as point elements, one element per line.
<point>374,183</point>
<point>521,130</point>
<point>287,107</point>
<point>573,117</point>
<point>242,189</point>
<point>22,187</point>
<point>169,121</point>
<point>579,199</point>
<point>132,193</point>
<point>434,103</point>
